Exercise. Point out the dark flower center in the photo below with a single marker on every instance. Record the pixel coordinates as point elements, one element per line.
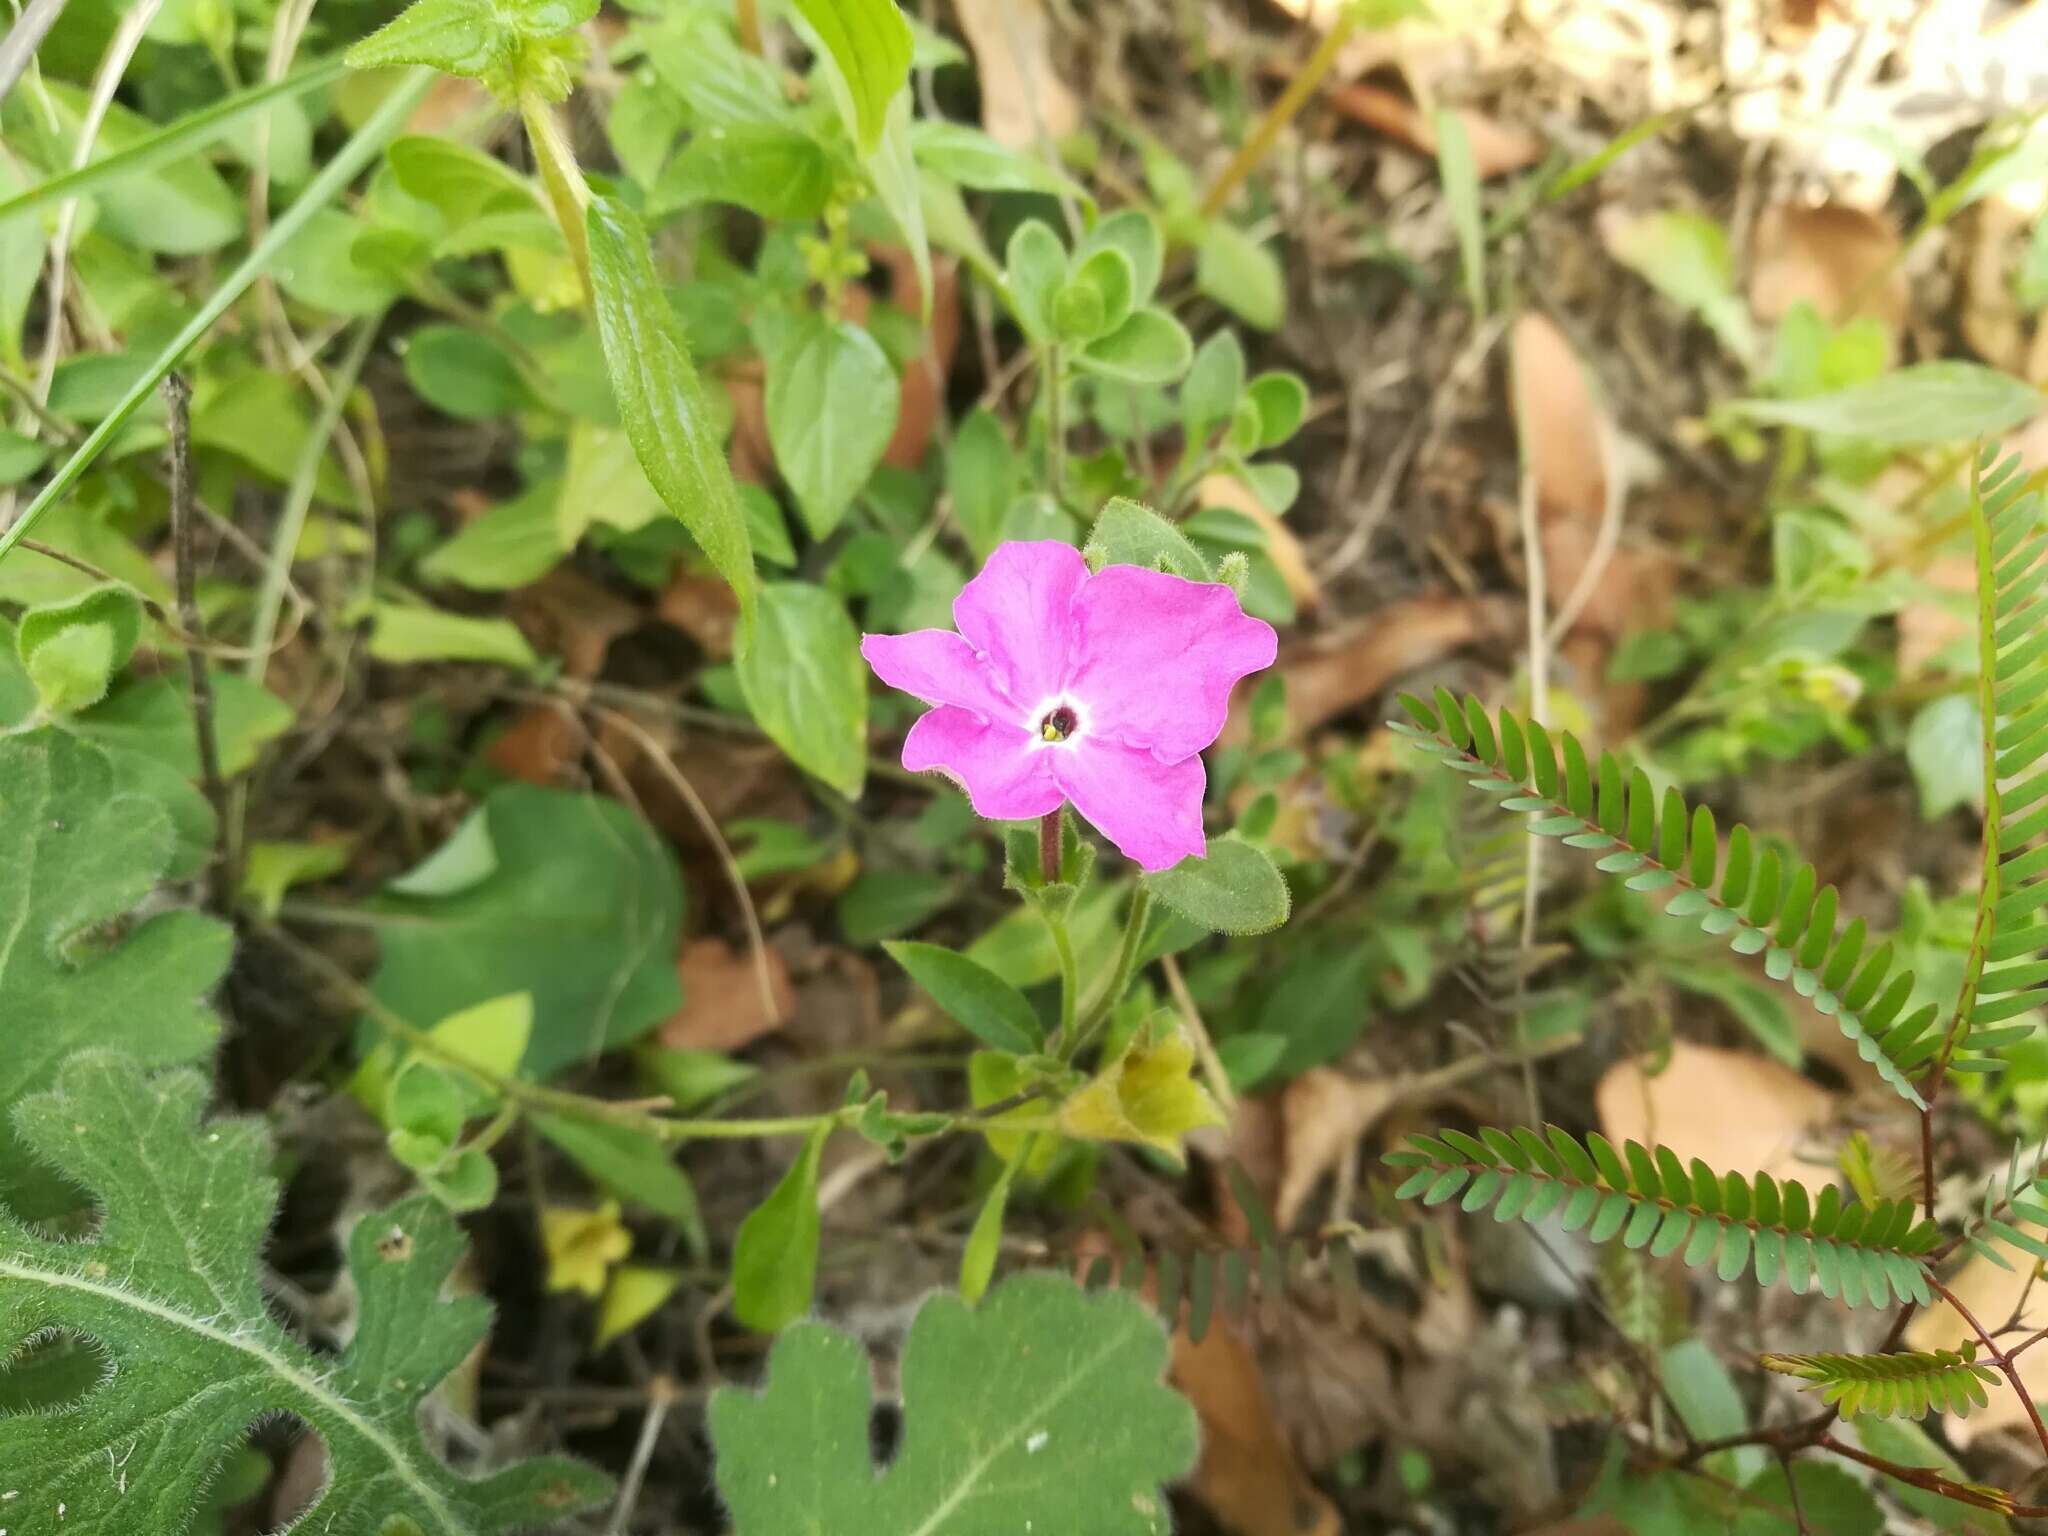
<point>1058,725</point>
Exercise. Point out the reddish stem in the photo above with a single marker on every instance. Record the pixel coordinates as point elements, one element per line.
<point>1999,1358</point>
<point>1049,845</point>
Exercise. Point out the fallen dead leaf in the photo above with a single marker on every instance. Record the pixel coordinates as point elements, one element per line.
<point>1323,1113</point>
<point>723,1009</point>
<point>703,607</point>
<point>1337,672</point>
<point>1562,428</point>
<point>1248,1475</point>
<point>1022,95</point>
<point>1990,238</point>
<point>1497,148</point>
<point>566,614</point>
<point>1733,1111</point>
<point>539,746</point>
<point>1927,628</point>
<point>1843,261</point>
<point>1282,547</point>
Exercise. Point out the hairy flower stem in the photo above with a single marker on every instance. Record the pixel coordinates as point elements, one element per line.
<point>1049,839</point>
<point>568,193</point>
<point>1055,429</point>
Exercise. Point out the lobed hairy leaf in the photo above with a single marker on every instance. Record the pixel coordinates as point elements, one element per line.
<point>169,1290</point>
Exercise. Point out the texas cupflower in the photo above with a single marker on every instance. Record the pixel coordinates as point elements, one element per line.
<point>1097,689</point>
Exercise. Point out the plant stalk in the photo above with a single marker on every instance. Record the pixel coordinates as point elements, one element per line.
<point>1283,111</point>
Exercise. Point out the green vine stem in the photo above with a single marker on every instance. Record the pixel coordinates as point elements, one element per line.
<point>568,193</point>
<point>1100,1010</point>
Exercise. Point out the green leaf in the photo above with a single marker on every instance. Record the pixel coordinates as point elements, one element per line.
<point>514,542</point>
<point>152,717</point>
<point>1945,750</point>
<point>171,1287</point>
<point>181,208</point>
<point>1685,257</point>
<point>881,903</point>
<point>630,1164</point>
<point>464,373</point>
<point>269,870</point>
<point>1242,275</point>
<point>1461,190</point>
<point>1210,394</point>
<point>480,39</point>
<point>1129,534</point>
<point>775,171</point>
<point>1034,267</point>
<point>1151,347</point>
<point>409,632</point>
<point>1927,403</point>
<point>1042,1408</point>
<point>77,855</point>
<point>981,477</point>
<point>869,44</point>
<point>775,1256</point>
<point>970,158</point>
<point>569,897</point>
<point>335,174</point>
<point>72,649</point>
<point>831,403</point>
<point>805,684</point>
<point>662,401</point>
<point>1236,889</point>
<point>186,135</point>
<point>1282,402</point>
<point>977,999</point>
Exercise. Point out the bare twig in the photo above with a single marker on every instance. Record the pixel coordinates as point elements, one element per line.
<point>24,38</point>
<point>1998,1357</point>
<point>178,400</point>
<point>661,1396</point>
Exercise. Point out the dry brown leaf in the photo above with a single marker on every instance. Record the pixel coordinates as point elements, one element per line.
<point>1562,430</point>
<point>1992,1294</point>
<point>1732,1110</point>
<point>566,614</point>
<point>1497,148</point>
<point>1248,1475</point>
<point>1281,544</point>
<point>1991,237</point>
<point>1337,672</point>
<point>723,1009</point>
<point>1926,629</point>
<point>1022,95</point>
<point>539,746</point>
<point>703,607</point>
<point>1323,1113</point>
<point>1841,260</point>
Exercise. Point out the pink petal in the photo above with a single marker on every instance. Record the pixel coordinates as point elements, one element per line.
<point>1150,808</point>
<point>939,667</point>
<point>1154,657</point>
<point>1004,770</point>
<point>1019,611</point>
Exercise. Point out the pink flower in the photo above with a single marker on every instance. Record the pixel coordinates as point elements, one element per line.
<point>1061,685</point>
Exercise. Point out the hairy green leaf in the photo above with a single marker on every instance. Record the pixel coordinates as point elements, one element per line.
<point>805,684</point>
<point>1235,889</point>
<point>76,855</point>
<point>1042,1409</point>
<point>170,1287</point>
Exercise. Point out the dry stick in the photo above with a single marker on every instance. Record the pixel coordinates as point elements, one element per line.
<point>757,943</point>
<point>178,400</point>
<point>1198,1033</point>
<point>24,38</point>
<point>1280,114</point>
<point>1934,1482</point>
<point>661,1396</point>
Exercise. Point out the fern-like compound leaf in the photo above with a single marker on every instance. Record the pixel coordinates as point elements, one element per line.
<point>1903,1386</point>
<point>1649,1199</point>
<point>77,855</point>
<point>169,1291</point>
<point>1761,902</point>
<point>2005,977</point>
<point>1042,1409</point>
